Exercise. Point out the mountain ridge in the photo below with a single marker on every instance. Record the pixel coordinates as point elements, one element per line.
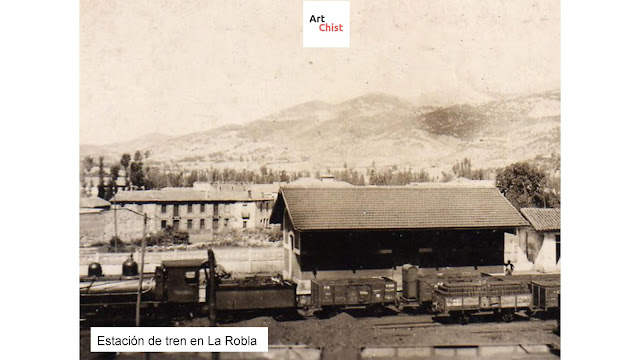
<point>372,128</point>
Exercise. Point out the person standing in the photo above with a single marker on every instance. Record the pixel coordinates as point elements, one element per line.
<point>508,268</point>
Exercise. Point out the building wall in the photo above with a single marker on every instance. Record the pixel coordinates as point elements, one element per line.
<point>530,250</point>
<point>288,239</point>
<point>100,227</point>
<point>201,223</point>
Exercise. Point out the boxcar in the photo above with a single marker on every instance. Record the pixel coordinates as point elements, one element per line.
<point>342,293</point>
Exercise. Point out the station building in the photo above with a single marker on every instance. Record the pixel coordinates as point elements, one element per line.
<point>340,232</point>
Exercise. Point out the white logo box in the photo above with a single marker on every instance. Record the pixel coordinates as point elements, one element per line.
<point>325,24</point>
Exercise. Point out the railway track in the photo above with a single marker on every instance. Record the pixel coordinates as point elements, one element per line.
<point>404,323</point>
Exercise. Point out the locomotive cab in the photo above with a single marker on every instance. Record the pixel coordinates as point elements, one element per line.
<point>184,280</point>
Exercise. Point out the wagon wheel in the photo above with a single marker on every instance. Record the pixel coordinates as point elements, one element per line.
<point>326,312</point>
<point>530,313</point>
<point>507,316</point>
<point>378,310</point>
<point>463,319</point>
<point>307,311</point>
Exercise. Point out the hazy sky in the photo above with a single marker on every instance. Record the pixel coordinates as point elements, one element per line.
<point>177,67</point>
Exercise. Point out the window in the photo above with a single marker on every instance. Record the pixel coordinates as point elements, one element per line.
<point>216,224</point>
<point>226,222</point>
<point>202,207</point>
<point>176,224</point>
<point>163,208</point>
<point>244,224</point>
<point>163,224</point>
<point>189,224</point>
<point>296,242</point>
<point>260,206</point>
<point>191,277</point>
<point>190,208</point>
<point>176,210</point>
<point>215,209</point>
<point>201,223</point>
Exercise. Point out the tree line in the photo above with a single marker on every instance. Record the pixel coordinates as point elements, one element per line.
<point>523,184</point>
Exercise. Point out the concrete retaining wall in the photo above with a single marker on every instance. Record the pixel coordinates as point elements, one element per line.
<point>233,259</point>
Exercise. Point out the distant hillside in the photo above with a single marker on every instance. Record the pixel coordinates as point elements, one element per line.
<point>114,151</point>
<point>374,128</point>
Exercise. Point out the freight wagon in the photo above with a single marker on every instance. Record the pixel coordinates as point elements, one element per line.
<point>459,299</point>
<point>546,295</point>
<point>374,293</point>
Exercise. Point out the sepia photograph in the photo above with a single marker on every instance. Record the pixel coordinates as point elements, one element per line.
<point>395,198</point>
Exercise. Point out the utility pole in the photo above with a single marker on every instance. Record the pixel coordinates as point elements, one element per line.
<point>139,298</point>
<point>115,224</point>
<point>144,246</point>
<point>211,292</point>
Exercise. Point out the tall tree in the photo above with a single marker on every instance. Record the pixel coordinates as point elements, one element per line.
<point>137,174</point>
<point>124,161</point>
<point>137,171</point>
<point>87,162</point>
<point>523,185</point>
<point>101,190</point>
<point>115,173</point>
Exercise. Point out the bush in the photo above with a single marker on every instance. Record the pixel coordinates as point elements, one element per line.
<point>166,237</point>
<point>116,242</point>
<point>247,238</point>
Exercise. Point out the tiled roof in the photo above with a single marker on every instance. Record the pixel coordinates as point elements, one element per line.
<point>543,219</point>
<point>396,208</point>
<point>181,195</point>
<point>93,202</point>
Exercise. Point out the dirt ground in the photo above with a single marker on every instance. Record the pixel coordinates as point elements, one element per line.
<point>344,335</point>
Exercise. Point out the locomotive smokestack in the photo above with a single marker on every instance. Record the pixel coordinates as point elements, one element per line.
<point>130,267</point>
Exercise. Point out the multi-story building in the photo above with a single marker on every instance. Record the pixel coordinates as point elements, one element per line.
<point>201,211</point>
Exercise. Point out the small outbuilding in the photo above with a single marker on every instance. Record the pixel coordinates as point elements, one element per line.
<point>537,246</point>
